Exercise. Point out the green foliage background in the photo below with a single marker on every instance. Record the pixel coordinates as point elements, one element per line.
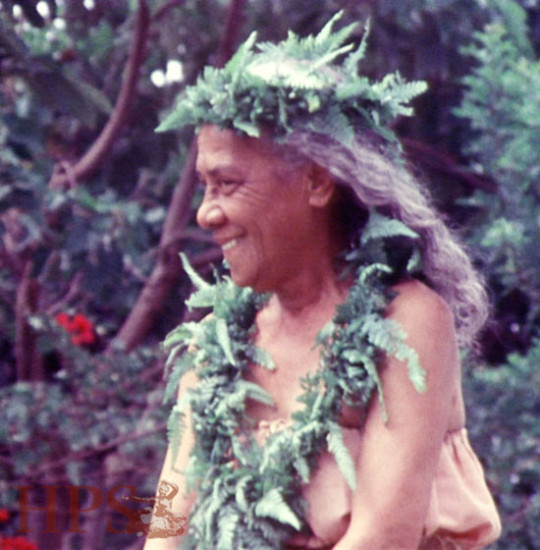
<point>94,243</point>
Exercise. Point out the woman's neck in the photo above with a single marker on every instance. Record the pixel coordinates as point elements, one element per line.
<point>305,304</point>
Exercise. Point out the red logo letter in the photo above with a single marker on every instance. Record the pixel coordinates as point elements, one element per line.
<point>49,508</point>
<point>75,511</point>
<point>120,508</point>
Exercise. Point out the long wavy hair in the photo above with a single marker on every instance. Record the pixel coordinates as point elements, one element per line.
<point>378,180</point>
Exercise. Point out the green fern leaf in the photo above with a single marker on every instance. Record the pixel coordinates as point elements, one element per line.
<point>388,336</point>
<point>182,333</point>
<point>371,369</point>
<point>336,125</point>
<point>400,93</point>
<point>366,272</point>
<point>326,332</point>
<point>415,262</point>
<point>239,60</point>
<point>360,87</point>
<point>273,505</point>
<point>399,348</point>
<point>249,128</point>
<point>236,400</point>
<point>256,392</point>
<point>202,298</point>
<point>302,467</point>
<point>515,21</point>
<point>329,57</point>
<point>326,32</point>
<point>224,340</point>
<point>341,453</point>
<point>229,518</point>
<point>381,227</point>
<point>213,504</point>
<point>175,429</point>
<point>353,356</point>
<point>242,499</point>
<point>351,63</point>
<point>195,278</point>
<point>262,358</point>
<point>183,364</point>
<point>174,353</point>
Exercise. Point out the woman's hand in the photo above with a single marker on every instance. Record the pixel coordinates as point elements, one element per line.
<point>343,544</point>
<point>348,544</point>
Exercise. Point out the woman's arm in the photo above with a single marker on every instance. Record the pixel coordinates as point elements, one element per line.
<point>398,459</point>
<point>174,473</point>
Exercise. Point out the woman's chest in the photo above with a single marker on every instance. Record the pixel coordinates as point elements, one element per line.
<point>292,363</point>
<point>294,360</point>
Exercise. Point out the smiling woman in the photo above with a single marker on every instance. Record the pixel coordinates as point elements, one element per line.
<point>320,402</point>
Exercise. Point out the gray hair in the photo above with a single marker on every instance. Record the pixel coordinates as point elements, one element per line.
<point>380,181</point>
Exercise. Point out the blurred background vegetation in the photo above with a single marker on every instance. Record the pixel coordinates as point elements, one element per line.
<point>94,208</point>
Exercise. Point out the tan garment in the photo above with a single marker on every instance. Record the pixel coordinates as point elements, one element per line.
<point>461,514</point>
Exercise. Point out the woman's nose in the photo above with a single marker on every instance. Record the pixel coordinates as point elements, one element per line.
<point>210,214</point>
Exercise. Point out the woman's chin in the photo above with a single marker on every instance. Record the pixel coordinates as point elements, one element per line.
<point>244,280</point>
<point>240,278</point>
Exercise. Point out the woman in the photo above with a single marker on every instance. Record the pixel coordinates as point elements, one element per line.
<point>321,401</point>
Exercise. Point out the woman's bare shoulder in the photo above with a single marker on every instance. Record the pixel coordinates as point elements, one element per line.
<point>428,323</point>
<point>416,304</point>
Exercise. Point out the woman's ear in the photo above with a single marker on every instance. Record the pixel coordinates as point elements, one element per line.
<point>320,186</point>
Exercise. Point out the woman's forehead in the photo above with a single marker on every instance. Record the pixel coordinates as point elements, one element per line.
<point>222,147</point>
<point>211,135</point>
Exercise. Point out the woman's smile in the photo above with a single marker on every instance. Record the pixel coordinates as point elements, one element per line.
<point>230,244</point>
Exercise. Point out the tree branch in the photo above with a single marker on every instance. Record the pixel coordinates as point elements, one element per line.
<point>167,269</point>
<point>99,449</point>
<point>163,11</point>
<point>28,362</point>
<point>229,38</point>
<point>100,149</point>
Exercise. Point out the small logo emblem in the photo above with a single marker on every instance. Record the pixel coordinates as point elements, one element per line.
<point>158,521</point>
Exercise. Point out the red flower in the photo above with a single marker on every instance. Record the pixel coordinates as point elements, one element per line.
<point>64,320</point>
<point>16,543</point>
<point>79,327</point>
<point>82,330</point>
<point>4,515</point>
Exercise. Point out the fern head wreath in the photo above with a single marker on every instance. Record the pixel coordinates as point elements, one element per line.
<point>300,84</point>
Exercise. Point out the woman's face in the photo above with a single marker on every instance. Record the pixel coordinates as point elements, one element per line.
<point>256,206</point>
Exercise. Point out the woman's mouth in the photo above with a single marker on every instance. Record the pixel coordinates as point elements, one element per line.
<point>229,244</point>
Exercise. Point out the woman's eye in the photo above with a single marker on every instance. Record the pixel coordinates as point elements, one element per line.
<point>228,185</point>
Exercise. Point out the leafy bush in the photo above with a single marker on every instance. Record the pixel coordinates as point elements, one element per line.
<point>502,104</point>
<point>503,424</point>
